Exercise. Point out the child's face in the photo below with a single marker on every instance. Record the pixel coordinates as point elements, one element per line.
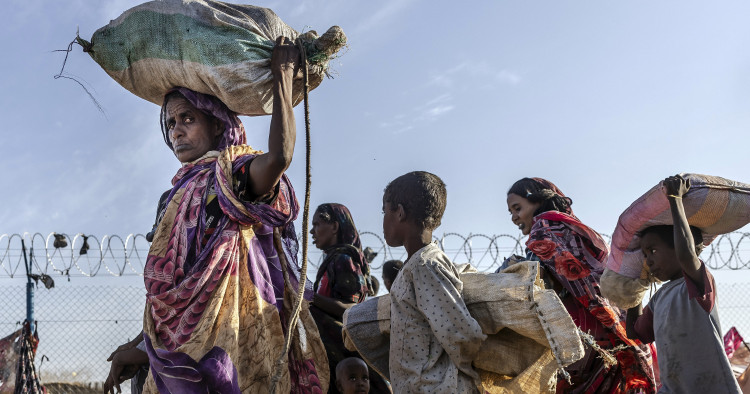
<point>391,225</point>
<point>522,212</point>
<point>354,379</point>
<point>661,259</point>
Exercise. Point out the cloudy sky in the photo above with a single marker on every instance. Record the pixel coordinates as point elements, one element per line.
<point>604,99</point>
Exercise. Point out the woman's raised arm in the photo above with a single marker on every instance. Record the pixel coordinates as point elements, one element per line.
<point>267,169</point>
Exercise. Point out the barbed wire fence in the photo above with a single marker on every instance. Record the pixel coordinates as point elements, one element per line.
<point>113,255</point>
<point>97,302</point>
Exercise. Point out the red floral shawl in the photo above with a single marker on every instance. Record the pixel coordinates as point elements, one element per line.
<point>575,256</point>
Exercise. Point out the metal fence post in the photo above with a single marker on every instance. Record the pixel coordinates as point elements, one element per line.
<point>29,289</point>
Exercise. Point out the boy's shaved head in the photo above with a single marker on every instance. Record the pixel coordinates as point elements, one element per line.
<point>422,195</point>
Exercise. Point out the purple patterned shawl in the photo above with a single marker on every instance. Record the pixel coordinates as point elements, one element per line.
<point>179,295</point>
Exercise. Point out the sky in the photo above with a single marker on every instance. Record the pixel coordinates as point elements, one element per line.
<point>605,99</point>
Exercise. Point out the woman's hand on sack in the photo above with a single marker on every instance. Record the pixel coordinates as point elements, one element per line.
<point>285,59</point>
<point>676,186</point>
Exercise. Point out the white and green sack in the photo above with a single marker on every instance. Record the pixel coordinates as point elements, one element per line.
<point>208,46</point>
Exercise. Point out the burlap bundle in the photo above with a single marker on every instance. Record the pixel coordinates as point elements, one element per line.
<point>208,46</point>
<point>713,204</point>
<point>529,333</point>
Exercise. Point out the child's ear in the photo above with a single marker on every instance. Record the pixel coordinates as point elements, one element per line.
<point>335,227</point>
<point>338,386</point>
<point>401,213</point>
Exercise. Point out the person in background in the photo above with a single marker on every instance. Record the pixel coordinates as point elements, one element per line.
<point>375,286</point>
<point>682,317</point>
<point>572,257</point>
<point>352,376</point>
<point>390,272</point>
<point>342,281</point>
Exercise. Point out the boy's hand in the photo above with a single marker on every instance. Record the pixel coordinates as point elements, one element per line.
<point>676,186</point>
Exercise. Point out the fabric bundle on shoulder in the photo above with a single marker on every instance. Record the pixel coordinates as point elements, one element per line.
<point>207,46</point>
<point>529,333</point>
<point>713,204</point>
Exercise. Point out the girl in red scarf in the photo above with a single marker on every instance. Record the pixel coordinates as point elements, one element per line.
<point>572,257</point>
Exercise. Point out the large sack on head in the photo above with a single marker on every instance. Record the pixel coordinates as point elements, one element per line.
<point>715,205</point>
<point>208,46</point>
<point>529,333</point>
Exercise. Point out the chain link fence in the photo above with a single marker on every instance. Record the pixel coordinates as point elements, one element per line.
<point>78,326</point>
<point>97,302</point>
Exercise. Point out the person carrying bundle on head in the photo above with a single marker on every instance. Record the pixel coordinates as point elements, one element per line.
<point>221,270</point>
<point>681,317</point>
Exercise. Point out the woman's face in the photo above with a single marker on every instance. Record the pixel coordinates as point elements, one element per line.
<point>522,212</point>
<point>191,132</point>
<point>323,233</point>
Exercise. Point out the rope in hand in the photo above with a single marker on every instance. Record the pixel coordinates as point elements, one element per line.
<point>294,318</point>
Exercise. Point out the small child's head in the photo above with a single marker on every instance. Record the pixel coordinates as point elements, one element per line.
<point>413,202</point>
<point>375,286</point>
<point>390,271</point>
<point>657,245</point>
<point>352,376</point>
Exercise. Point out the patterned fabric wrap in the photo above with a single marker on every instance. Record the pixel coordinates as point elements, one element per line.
<point>732,340</point>
<point>27,379</point>
<point>574,255</point>
<point>8,362</point>
<point>216,308</point>
<point>549,185</point>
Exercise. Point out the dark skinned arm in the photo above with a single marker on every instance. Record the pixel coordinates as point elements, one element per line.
<point>125,364</point>
<point>267,169</point>
<point>331,306</point>
<point>633,314</point>
<point>684,245</point>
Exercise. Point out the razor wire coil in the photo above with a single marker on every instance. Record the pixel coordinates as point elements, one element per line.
<point>114,255</point>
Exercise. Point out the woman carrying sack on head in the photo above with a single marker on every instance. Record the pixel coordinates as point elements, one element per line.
<point>221,272</point>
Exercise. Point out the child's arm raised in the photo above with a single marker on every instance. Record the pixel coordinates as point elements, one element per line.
<point>684,246</point>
